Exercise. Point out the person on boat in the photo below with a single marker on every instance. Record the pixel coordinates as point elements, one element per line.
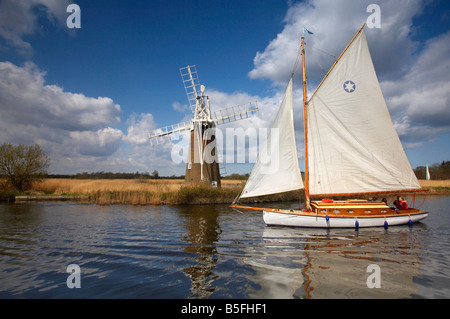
<point>384,200</point>
<point>397,202</point>
<point>401,203</point>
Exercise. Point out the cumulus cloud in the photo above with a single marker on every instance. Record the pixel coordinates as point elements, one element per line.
<point>334,23</point>
<point>102,142</point>
<point>182,108</point>
<point>18,19</point>
<point>139,127</point>
<point>245,136</point>
<point>414,77</point>
<point>420,100</point>
<point>26,99</point>
<point>65,124</point>
<point>79,131</point>
<point>76,130</point>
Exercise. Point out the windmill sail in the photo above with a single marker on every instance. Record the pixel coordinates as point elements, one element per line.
<point>276,169</point>
<point>353,145</point>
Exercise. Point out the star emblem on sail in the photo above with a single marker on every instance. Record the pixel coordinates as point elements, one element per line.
<point>351,150</point>
<point>349,86</point>
<point>353,146</point>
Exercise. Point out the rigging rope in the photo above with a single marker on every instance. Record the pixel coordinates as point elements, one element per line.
<point>296,61</point>
<point>329,54</point>
<point>422,202</point>
<point>317,61</point>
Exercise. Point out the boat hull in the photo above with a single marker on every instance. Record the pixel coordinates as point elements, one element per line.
<point>299,219</point>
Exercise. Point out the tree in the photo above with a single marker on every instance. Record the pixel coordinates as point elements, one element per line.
<point>155,174</point>
<point>22,165</point>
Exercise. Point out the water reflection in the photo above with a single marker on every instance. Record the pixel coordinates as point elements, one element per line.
<point>334,262</point>
<point>212,252</point>
<point>202,234</point>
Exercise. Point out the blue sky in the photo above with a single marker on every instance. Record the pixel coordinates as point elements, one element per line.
<point>88,96</point>
<point>131,51</point>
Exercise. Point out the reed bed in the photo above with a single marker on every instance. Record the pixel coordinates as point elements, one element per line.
<point>85,187</point>
<point>435,183</point>
<point>170,191</point>
<point>437,187</point>
<point>140,192</point>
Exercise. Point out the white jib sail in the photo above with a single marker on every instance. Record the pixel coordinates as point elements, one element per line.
<point>353,146</point>
<point>276,170</point>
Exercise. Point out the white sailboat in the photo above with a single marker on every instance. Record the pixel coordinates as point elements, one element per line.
<point>351,148</point>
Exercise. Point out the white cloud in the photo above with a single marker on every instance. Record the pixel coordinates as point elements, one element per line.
<point>26,99</point>
<point>250,127</point>
<point>139,128</point>
<point>77,131</point>
<point>18,19</point>
<point>102,142</point>
<point>334,23</point>
<point>182,108</point>
<point>65,124</point>
<point>415,82</point>
<point>420,100</point>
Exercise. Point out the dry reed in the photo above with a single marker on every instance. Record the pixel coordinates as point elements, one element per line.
<point>169,191</point>
<point>434,183</point>
<point>140,191</point>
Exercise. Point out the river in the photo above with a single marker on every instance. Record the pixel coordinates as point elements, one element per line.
<point>213,251</point>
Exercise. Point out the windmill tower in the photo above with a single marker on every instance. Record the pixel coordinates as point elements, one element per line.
<point>202,165</point>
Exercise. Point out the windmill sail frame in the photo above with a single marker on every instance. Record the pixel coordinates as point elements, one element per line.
<point>202,165</point>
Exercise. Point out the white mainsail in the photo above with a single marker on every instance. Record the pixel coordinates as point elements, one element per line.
<point>427,177</point>
<point>353,146</point>
<point>276,170</point>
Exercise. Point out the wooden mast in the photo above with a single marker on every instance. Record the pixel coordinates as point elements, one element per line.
<point>305,113</point>
<point>307,194</point>
<point>308,207</point>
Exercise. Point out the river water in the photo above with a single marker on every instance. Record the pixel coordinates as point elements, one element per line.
<point>214,252</point>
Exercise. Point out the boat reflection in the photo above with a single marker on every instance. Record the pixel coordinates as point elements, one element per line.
<point>334,263</point>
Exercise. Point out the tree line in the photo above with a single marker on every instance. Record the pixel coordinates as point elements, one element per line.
<point>437,171</point>
<point>110,175</point>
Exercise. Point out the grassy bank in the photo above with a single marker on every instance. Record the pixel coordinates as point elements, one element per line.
<point>167,191</point>
<point>436,186</point>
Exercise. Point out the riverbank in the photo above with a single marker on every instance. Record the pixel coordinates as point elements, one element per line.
<point>438,187</point>
<point>163,191</point>
<point>143,192</point>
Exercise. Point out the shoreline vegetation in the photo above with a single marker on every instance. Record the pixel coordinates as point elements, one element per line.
<point>163,192</point>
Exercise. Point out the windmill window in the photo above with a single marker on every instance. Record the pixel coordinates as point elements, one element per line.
<point>189,165</point>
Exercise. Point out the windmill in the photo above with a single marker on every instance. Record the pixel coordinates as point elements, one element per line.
<point>202,165</point>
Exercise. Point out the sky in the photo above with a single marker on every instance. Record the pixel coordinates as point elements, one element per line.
<point>90,95</point>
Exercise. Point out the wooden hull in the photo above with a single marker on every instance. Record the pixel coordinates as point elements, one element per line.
<point>344,214</point>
